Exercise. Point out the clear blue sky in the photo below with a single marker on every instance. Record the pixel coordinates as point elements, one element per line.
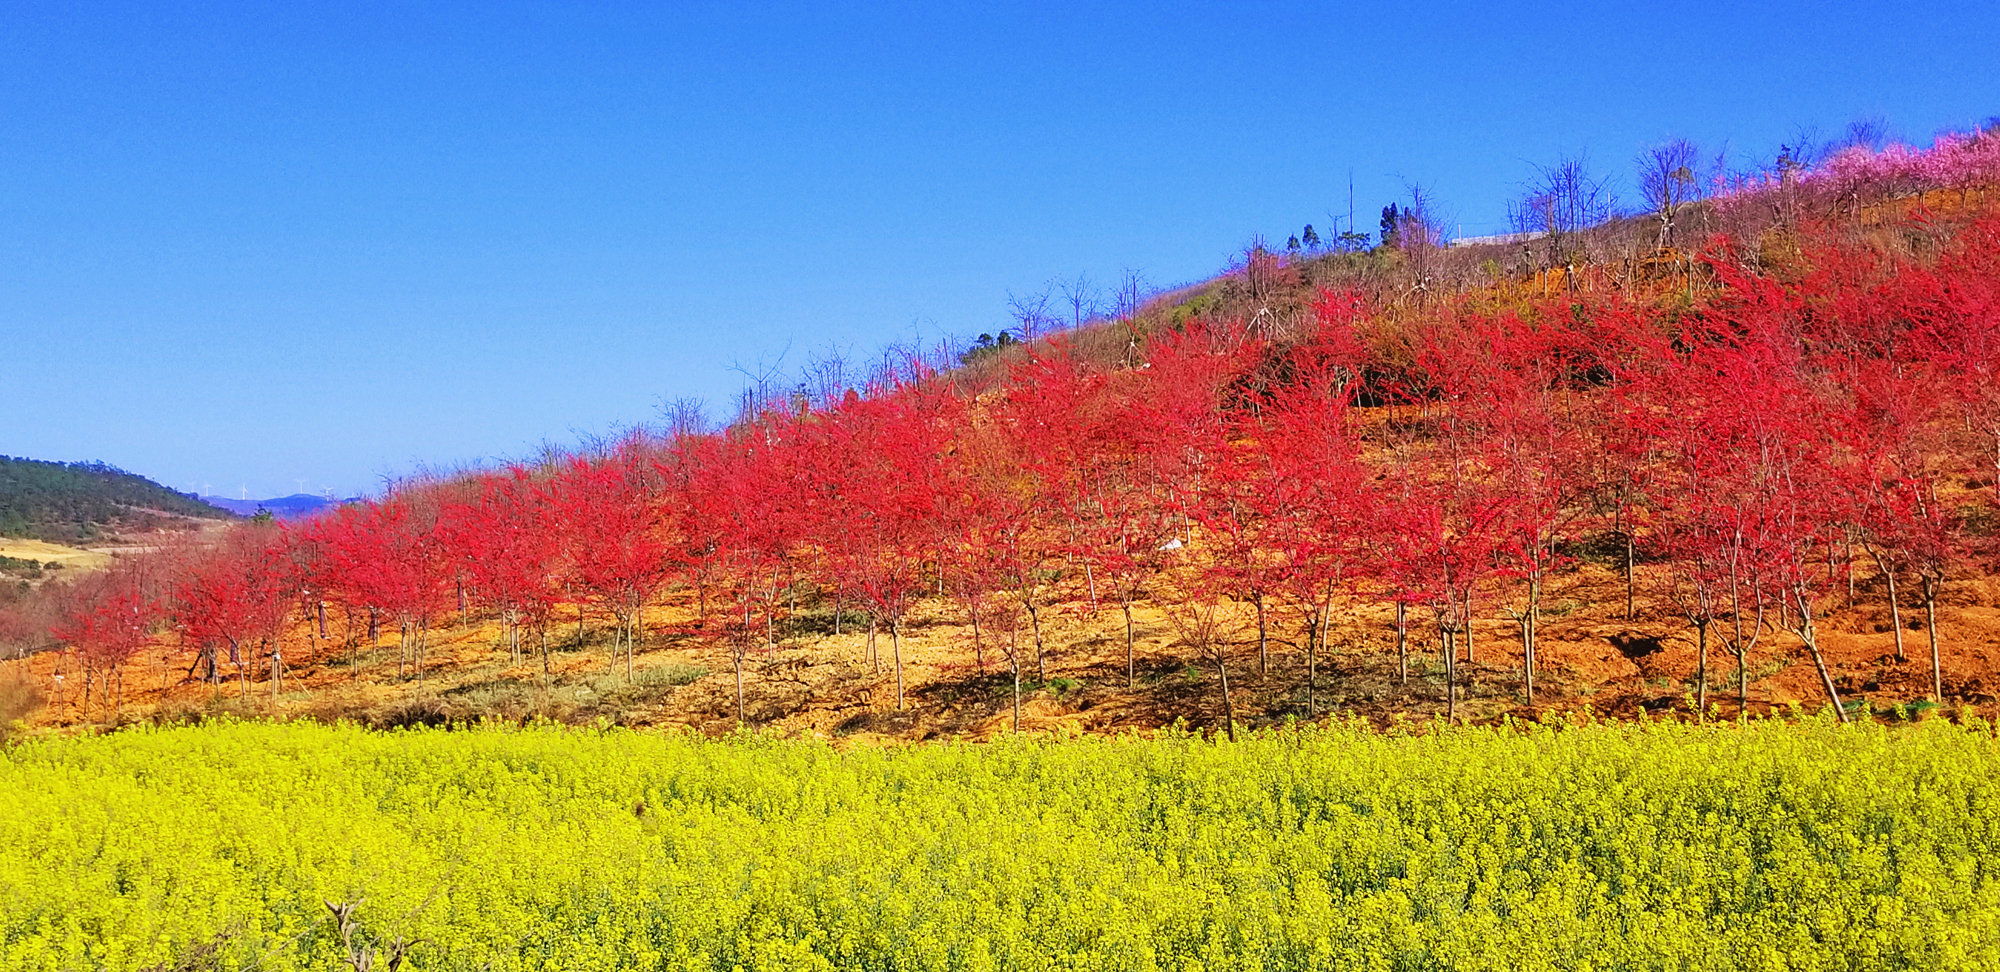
<point>265,246</point>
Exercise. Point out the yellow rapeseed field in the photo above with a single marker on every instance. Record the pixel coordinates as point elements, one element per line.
<point>1782,844</point>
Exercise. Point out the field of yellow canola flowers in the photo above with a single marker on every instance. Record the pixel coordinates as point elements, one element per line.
<point>1776,845</point>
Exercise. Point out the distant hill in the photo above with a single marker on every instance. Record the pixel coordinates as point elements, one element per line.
<point>76,502</point>
<point>293,507</point>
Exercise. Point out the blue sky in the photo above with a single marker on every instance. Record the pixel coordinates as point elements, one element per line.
<point>270,246</point>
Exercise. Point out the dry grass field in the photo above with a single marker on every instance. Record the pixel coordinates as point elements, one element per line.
<point>816,682</point>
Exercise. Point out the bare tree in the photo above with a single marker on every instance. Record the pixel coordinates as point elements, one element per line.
<point>936,357</point>
<point>1871,133</point>
<point>1668,182</point>
<point>827,377</point>
<point>1031,314</point>
<point>1419,234</point>
<point>763,391</point>
<point>1564,199</point>
<point>1805,150</point>
<point>686,417</point>
<point>1081,296</point>
<point>1260,273</point>
<point>1131,289</point>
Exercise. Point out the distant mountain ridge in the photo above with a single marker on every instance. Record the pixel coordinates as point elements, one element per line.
<point>77,502</point>
<point>293,507</point>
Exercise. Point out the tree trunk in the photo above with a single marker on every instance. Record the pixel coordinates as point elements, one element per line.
<point>1849,538</point>
<point>1403,642</point>
<point>896,645</point>
<point>1896,617</point>
<point>1450,675</point>
<point>1895,607</point>
<point>1807,634</point>
<point>1742,653</point>
<point>1014,661</point>
<point>1527,660</point>
<point>1312,661</point>
<point>1131,671</point>
<point>1530,623</point>
<point>737,657</point>
<point>1263,638</point>
<point>1701,672</point>
<point>617,633</point>
<point>874,657</point>
<point>1468,624</point>
<point>1041,664</point>
<point>742,648</point>
<point>1930,586</point>
<point>1629,558</point>
<point>1228,704</point>
<point>1738,646</point>
<point>1312,656</point>
<point>978,650</point>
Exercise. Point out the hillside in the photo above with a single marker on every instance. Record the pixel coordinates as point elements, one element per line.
<point>79,502</point>
<point>1735,469</point>
<point>290,507</point>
